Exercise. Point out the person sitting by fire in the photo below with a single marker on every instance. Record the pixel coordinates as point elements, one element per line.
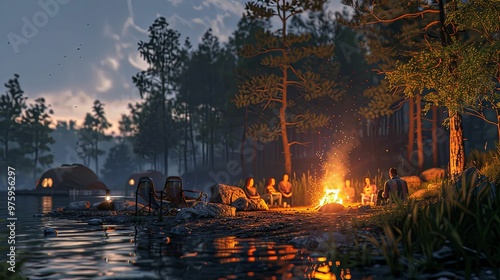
<point>285,188</point>
<point>395,187</point>
<point>348,192</point>
<point>273,194</point>
<point>250,189</point>
<point>369,192</point>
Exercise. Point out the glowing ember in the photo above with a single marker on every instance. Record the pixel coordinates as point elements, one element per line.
<point>331,196</point>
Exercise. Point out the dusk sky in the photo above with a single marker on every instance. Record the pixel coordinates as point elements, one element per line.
<point>73,52</point>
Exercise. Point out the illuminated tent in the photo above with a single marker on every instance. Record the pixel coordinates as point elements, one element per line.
<point>69,177</point>
<point>157,177</point>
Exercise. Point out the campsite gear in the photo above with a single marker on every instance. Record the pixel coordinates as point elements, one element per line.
<point>155,204</point>
<point>173,192</point>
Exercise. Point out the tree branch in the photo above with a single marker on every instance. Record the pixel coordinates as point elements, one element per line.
<point>411,15</point>
<point>298,143</point>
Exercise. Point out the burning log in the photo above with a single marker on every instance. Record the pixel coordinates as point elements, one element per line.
<point>331,208</point>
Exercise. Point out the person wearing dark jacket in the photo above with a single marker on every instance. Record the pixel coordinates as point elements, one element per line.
<point>394,187</point>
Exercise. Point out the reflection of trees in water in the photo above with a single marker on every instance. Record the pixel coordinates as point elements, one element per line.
<point>205,257</point>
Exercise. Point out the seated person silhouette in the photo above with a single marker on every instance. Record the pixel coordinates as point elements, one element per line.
<point>369,193</point>
<point>285,188</point>
<point>348,192</point>
<point>395,187</point>
<point>274,195</point>
<point>250,189</point>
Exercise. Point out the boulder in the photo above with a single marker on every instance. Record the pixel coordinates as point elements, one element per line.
<point>225,194</point>
<point>241,204</point>
<point>206,210</point>
<point>103,205</point>
<point>124,205</point>
<point>331,208</point>
<point>215,210</point>
<point>432,175</point>
<point>78,205</point>
<point>257,205</point>
<point>245,204</point>
<point>413,182</point>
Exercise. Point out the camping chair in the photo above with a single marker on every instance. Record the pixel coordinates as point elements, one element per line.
<point>174,193</point>
<point>146,190</point>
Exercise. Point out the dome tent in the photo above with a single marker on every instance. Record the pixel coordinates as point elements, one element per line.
<point>69,177</point>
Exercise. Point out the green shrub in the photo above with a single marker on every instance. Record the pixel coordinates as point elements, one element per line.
<point>487,162</point>
<point>466,221</point>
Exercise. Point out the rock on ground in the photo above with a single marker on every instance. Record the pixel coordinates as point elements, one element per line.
<point>206,210</point>
<point>432,174</point>
<point>78,205</point>
<point>413,182</point>
<point>225,194</point>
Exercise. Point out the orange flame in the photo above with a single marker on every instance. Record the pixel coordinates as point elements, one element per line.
<point>331,196</point>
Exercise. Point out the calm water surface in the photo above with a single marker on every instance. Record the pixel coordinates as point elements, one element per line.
<point>81,251</point>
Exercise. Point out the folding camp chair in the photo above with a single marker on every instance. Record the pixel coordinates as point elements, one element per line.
<point>146,190</point>
<point>174,193</point>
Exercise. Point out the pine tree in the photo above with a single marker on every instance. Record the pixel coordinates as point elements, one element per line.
<point>286,94</point>
<point>165,58</point>
<point>12,104</point>
<point>36,133</point>
<point>456,63</point>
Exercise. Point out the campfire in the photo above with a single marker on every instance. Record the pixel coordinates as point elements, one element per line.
<point>331,196</point>
<point>335,165</point>
<point>332,183</point>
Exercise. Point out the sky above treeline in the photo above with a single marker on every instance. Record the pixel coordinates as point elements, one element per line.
<point>73,52</point>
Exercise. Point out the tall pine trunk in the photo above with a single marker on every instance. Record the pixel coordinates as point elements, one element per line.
<point>185,139</point>
<point>36,150</point>
<point>243,141</point>
<point>420,142</point>
<point>435,149</point>
<point>193,146</point>
<point>411,127</point>
<point>457,153</point>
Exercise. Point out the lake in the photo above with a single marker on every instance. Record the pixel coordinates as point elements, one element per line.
<point>81,251</point>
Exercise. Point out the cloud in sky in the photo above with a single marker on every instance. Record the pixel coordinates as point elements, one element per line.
<point>87,50</point>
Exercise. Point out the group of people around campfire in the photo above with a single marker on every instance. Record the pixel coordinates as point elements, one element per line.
<point>395,187</point>
<point>281,197</point>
